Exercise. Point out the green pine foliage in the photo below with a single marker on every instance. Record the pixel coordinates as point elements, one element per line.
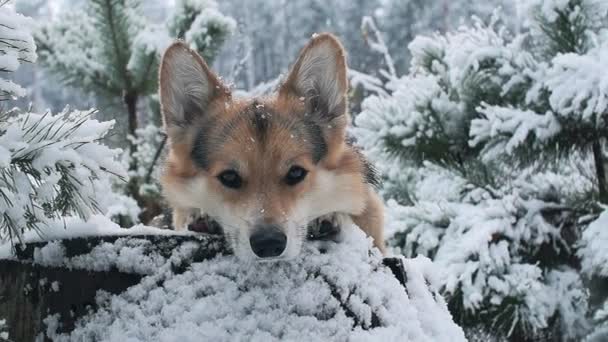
<point>492,150</point>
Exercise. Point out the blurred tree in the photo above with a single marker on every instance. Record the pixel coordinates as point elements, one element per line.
<point>402,20</point>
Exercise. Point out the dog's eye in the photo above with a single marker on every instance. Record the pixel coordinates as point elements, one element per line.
<point>295,175</point>
<point>230,179</point>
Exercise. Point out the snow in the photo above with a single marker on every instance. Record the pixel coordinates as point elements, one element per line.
<point>51,254</point>
<point>149,43</point>
<point>336,294</point>
<point>594,254</point>
<point>55,286</point>
<point>55,146</point>
<point>378,45</point>
<point>481,94</point>
<point>549,9</point>
<point>73,227</point>
<point>481,90</point>
<point>3,334</point>
<point>82,56</point>
<point>474,263</point>
<point>52,324</point>
<point>147,139</point>
<point>577,88</point>
<point>417,96</point>
<point>17,45</point>
<point>516,125</point>
<point>600,330</point>
<point>573,302</point>
<point>209,18</point>
<point>368,82</point>
<point>202,24</point>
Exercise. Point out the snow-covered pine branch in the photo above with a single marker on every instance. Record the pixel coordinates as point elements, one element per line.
<point>377,44</point>
<point>493,149</point>
<point>16,46</point>
<point>52,166</point>
<point>200,23</point>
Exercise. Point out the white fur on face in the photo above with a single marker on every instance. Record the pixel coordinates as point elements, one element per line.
<point>194,193</point>
<point>332,193</point>
<point>236,221</point>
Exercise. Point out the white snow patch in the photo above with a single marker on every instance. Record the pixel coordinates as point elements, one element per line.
<point>333,295</point>
<point>73,227</point>
<point>55,286</point>
<point>594,254</point>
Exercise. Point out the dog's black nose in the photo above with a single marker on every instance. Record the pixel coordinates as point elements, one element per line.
<point>268,241</point>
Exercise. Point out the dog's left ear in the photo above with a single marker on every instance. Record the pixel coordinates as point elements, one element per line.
<point>319,78</point>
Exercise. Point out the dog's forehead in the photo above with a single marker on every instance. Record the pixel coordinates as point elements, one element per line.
<point>258,128</point>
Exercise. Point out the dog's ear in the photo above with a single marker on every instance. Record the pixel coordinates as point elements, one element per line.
<point>319,77</point>
<point>187,89</point>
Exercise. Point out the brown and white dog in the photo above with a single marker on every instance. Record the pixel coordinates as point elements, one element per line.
<point>265,168</point>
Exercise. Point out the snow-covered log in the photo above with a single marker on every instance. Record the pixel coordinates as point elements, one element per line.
<point>187,287</point>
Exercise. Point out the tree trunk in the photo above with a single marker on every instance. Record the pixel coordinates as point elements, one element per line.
<point>130,99</point>
<point>600,171</point>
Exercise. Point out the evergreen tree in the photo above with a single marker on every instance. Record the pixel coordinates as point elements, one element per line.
<point>111,50</point>
<point>492,148</point>
<point>51,166</point>
<point>402,20</point>
<point>16,47</point>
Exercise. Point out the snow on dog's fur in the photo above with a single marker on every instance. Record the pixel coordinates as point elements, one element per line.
<point>263,168</point>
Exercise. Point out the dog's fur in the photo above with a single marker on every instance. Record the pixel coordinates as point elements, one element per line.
<point>303,124</point>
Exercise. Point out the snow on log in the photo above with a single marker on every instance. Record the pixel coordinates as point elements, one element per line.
<point>189,288</point>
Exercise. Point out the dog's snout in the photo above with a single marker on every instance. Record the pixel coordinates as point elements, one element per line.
<point>268,241</point>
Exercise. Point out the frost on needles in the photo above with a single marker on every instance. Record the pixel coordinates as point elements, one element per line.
<point>493,149</point>
<point>51,166</point>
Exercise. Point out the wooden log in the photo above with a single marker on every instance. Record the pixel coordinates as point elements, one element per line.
<point>30,292</point>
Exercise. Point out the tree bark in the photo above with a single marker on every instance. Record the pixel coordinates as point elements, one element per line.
<point>159,150</point>
<point>600,171</point>
<point>74,297</point>
<point>130,99</point>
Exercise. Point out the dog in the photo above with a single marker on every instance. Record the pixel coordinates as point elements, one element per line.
<point>265,168</point>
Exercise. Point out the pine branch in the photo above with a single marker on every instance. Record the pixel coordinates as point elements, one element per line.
<point>49,177</point>
<point>567,32</point>
<point>112,20</point>
<point>600,170</point>
<point>378,45</point>
<point>157,154</point>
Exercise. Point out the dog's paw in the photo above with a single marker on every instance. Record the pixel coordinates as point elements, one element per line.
<point>327,227</point>
<point>182,218</point>
<point>204,224</point>
<point>196,221</point>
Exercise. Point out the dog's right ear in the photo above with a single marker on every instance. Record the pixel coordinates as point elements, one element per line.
<point>187,89</point>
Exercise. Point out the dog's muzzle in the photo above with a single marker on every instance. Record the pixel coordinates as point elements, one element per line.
<point>268,241</point>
